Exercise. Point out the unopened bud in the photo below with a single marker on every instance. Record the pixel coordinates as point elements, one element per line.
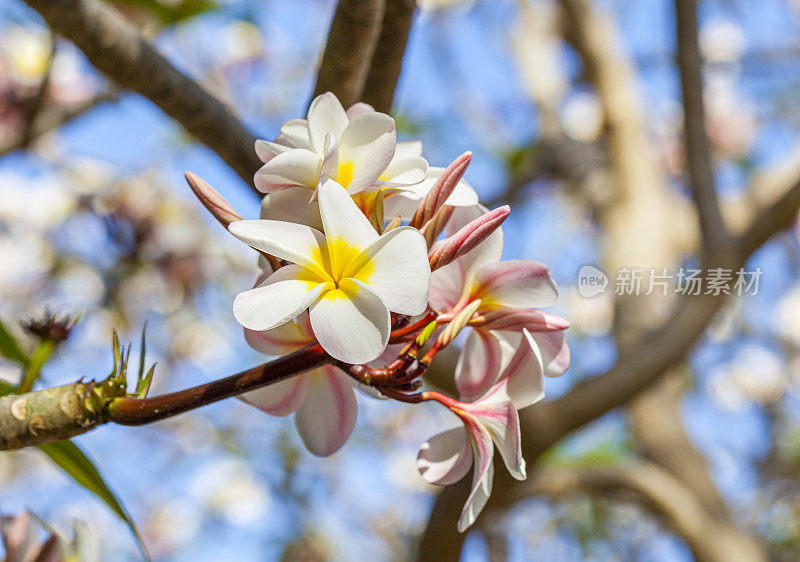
<point>470,235</point>
<point>440,191</point>
<point>50,327</point>
<point>376,215</point>
<point>434,227</point>
<point>216,204</point>
<point>394,223</point>
<point>458,323</point>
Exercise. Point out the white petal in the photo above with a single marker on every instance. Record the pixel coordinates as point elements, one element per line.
<point>347,230</point>
<point>399,202</point>
<point>284,295</point>
<point>295,133</point>
<point>359,108</point>
<point>516,283</point>
<point>291,205</point>
<point>522,381</point>
<point>296,243</point>
<point>406,171</point>
<point>279,399</point>
<point>294,167</point>
<point>446,457</point>
<point>396,268</point>
<point>325,115</point>
<point>351,323</point>
<point>328,414</point>
<point>407,149</point>
<point>369,143</point>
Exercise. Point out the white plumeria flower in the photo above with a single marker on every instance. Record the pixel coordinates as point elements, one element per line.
<point>349,278</point>
<point>403,201</point>
<point>357,148</point>
<point>504,288</point>
<point>489,422</point>
<point>322,400</point>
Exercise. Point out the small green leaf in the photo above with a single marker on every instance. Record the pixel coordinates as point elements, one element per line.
<point>10,348</point>
<point>72,460</point>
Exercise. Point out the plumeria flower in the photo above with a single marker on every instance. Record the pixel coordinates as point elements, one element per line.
<point>349,278</point>
<point>322,400</point>
<point>403,201</point>
<point>357,148</point>
<point>488,422</point>
<point>505,288</point>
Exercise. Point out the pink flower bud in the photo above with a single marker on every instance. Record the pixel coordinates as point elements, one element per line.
<point>468,237</point>
<point>440,191</point>
<point>434,227</point>
<point>515,319</point>
<point>216,204</point>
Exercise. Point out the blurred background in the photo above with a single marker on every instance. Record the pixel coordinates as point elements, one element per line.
<point>557,102</point>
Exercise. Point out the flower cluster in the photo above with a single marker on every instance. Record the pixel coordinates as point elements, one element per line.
<point>371,254</point>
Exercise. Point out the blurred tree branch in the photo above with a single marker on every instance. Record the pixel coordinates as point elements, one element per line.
<point>698,149</point>
<point>352,39</point>
<point>117,49</point>
<point>387,61</point>
<point>658,491</point>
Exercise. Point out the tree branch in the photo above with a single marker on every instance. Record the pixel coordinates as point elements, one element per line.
<point>351,43</point>
<point>658,491</point>
<point>698,147</point>
<point>387,61</point>
<point>116,48</point>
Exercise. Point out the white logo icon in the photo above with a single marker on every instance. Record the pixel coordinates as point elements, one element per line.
<point>591,281</point>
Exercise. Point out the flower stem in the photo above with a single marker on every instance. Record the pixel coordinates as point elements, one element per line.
<point>128,410</point>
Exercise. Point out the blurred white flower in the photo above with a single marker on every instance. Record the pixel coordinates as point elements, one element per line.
<point>582,116</point>
<point>722,41</point>
<point>229,488</point>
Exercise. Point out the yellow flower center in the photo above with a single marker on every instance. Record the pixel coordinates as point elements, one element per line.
<point>341,261</point>
<point>345,174</point>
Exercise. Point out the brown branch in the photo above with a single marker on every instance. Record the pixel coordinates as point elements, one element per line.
<point>658,491</point>
<point>387,61</point>
<point>117,49</point>
<point>698,147</point>
<point>351,42</point>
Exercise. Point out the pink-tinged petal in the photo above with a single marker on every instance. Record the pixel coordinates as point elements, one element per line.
<point>295,133</point>
<point>359,108</point>
<point>533,319</point>
<point>555,352</point>
<point>328,414</point>
<point>522,380</point>
<point>325,115</point>
<point>395,266</point>
<point>347,230</point>
<point>447,285</point>
<point>351,322</point>
<point>405,171</point>
<point>291,205</point>
<point>267,150</point>
<point>284,339</point>
<point>284,295</point>
<point>500,418</point>
<point>368,143</point>
<point>446,457</point>
<point>515,283</point>
<point>296,243</point>
<point>482,359</point>
<point>482,472</point>
<point>294,167</point>
<point>407,149</point>
<point>279,399</point>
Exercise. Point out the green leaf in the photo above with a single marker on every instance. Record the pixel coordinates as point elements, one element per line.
<point>10,348</point>
<point>72,460</point>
